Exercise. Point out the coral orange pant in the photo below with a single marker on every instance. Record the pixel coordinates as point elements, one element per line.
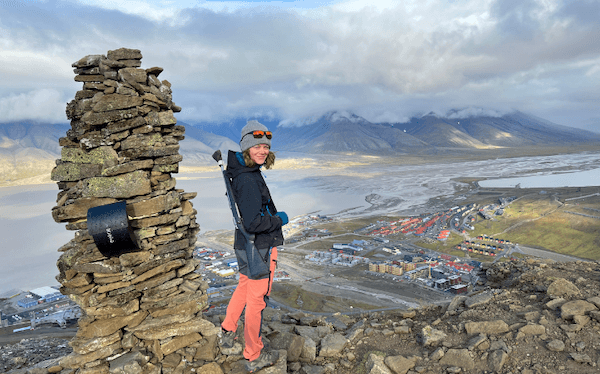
<point>251,295</point>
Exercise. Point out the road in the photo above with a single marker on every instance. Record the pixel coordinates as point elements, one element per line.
<point>548,254</point>
<point>352,283</point>
<point>8,337</point>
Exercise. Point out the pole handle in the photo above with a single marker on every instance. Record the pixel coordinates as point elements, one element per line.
<point>218,157</point>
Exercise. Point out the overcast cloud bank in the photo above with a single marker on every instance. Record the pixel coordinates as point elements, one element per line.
<point>385,61</point>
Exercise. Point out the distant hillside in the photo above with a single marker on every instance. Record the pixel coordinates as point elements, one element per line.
<point>28,150</point>
<point>337,132</point>
<point>31,135</point>
<point>516,129</point>
<point>199,145</point>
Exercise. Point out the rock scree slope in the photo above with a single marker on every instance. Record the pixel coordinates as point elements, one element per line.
<point>535,316</point>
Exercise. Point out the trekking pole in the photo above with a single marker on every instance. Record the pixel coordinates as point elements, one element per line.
<point>236,216</point>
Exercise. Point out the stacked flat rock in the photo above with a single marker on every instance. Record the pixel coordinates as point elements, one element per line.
<point>142,308</point>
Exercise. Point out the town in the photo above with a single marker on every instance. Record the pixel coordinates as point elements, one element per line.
<point>44,306</point>
<point>387,249</point>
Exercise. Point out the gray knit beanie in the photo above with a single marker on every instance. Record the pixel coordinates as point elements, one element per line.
<point>248,140</point>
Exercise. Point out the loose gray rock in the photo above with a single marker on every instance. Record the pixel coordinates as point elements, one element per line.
<point>457,302</point>
<point>313,369</point>
<point>332,345</point>
<point>336,323</point>
<point>556,303</point>
<point>486,327</point>
<point>576,308</point>
<point>430,336</point>
<point>459,358</point>
<point>401,364</point>
<point>475,341</point>
<point>562,288</point>
<point>309,350</point>
<point>556,345</point>
<point>356,330</point>
<point>497,359</point>
<point>308,332</point>
<point>531,330</point>
<point>478,300</point>
<point>376,365</point>
<point>437,354</point>
<point>500,345</point>
<point>581,358</point>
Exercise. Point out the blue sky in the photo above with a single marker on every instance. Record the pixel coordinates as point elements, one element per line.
<point>384,60</point>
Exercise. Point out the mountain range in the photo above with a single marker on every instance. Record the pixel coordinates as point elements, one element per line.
<point>29,149</point>
<point>344,132</point>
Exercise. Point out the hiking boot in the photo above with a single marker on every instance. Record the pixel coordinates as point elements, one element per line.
<point>266,358</point>
<point>227,338</point>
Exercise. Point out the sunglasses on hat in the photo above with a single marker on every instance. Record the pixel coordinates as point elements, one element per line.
<point>259,134</point>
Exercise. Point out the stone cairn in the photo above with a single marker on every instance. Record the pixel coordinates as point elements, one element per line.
<point>142,310</point>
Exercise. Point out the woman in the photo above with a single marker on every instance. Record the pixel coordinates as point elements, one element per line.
<point>259,217</point>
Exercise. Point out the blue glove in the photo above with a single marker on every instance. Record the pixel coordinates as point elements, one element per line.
<point>284,218</point>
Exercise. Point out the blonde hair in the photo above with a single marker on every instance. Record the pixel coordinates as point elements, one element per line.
<point>269,162</point>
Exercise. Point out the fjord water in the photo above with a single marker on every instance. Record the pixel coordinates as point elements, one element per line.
<point>555,180</point>
<point>30,237</point>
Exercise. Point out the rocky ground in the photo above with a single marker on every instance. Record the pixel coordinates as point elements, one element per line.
<point>536,316</point>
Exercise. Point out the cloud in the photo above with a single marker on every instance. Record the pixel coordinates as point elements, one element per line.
<point>387,59</point>
<point>382,115</point>
<point>43,105</point>
<point>158,11</point>
<point>474,112</point>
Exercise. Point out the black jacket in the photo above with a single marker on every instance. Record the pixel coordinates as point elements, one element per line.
<point>254,203</point>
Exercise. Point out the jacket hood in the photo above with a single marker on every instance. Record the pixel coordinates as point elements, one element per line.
<point>236,165</point>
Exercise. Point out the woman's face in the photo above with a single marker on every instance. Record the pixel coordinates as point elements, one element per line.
<point>259,153</point>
